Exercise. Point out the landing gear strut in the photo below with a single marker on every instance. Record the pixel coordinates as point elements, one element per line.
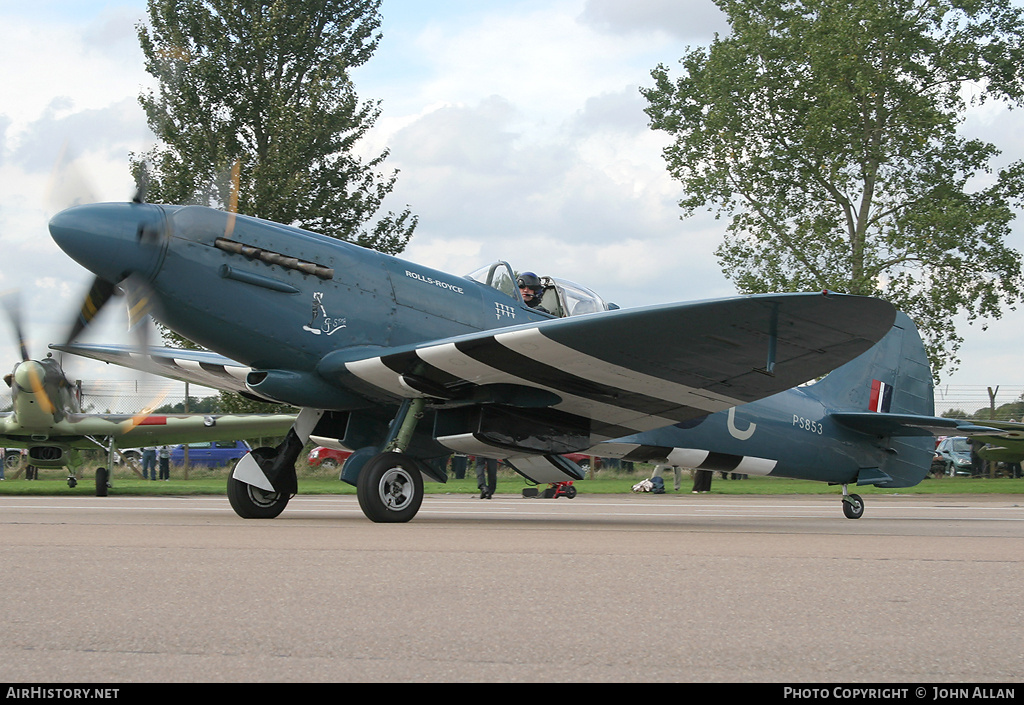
<point>390,485</point>
<point>272,481</point>
<point>853,505</point>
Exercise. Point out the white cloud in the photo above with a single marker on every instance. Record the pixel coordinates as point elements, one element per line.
<point>73,92</point>
<point>691,20</point>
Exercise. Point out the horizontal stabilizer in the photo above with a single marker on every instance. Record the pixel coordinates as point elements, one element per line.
<point>879,424</point>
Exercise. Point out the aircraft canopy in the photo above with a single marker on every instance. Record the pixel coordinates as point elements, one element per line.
<point>561,296</point>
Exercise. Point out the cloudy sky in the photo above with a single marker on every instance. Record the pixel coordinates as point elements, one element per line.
<point>517,126</point>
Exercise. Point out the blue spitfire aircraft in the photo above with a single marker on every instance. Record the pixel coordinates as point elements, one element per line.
<point>404,364</point>
<point>46,418</point>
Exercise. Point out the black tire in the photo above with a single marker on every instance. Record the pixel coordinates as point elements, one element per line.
<point>390,488</point>
<point>853,506</point>
<point>250,502</point>
<point>570,492</point>
<point>102,477</point>
<point>329,464</point>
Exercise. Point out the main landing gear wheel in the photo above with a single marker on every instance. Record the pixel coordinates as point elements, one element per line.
<point>853,506</point>
<point>390,488</point>
<point>251,502</point>
<point>102,478</point>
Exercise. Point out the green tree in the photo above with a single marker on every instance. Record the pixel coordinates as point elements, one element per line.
<point>827,133</point>
<point>232,403</point>
<point>206,405</point>
<point>264,88</point>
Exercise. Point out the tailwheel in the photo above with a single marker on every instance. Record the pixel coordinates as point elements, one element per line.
<point>853,506</point>
<point>251,502</point>
<point>390,488</point>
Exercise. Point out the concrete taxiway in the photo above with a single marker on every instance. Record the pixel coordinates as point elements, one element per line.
<point>636,588</point>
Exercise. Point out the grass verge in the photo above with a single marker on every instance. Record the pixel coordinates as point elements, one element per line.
<point>213,482</point>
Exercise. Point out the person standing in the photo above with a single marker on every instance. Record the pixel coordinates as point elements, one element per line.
<point>702,481</point>
<point>164,456</point>
<point>149,463</point>
<point>486,476</point>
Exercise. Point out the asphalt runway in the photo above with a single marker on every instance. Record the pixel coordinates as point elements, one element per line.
<point>634,588</point>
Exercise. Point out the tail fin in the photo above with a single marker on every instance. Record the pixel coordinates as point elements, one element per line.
<point>887,392</point>
<point>892,377</point>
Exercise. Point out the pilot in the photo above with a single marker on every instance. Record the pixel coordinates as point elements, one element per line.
<point>531,289</point>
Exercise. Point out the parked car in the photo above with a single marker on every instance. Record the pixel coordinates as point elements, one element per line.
<point>209,453</point>
<point>582,460</point>
<point>327,458</point>
<point>954,454</point>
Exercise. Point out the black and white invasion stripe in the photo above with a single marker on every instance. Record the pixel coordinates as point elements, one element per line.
<point>217,376</point>
<point>617,400</point>
<point>691,458</point>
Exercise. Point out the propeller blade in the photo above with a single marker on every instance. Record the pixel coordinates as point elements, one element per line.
<point>141,184</point>
<point>13,308</point>
<point>136,419</point>
<point>68,186</point>
<point>99,294</point>
<point>140,308</point>
<point>236,174</point>
<point>39,389</point>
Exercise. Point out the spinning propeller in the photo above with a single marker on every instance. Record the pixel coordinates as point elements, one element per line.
<point>151,233</point>
<point>68,186</point>
<point>32,369</point>
<point>145,253</point>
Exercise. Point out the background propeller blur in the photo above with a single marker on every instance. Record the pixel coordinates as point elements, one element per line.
<point>13,309</point>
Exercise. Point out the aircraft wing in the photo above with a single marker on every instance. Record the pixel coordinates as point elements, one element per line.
<point>633,370</point>
<point>620,371</point>
<point>1007,430</point>
<point>153,429</point>
<point>201,367</point>
<point>880,424</point>
<point>1005,445</point>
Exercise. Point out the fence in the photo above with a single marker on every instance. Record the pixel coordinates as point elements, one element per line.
<point>133,396</point>
<point>974,401</point>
